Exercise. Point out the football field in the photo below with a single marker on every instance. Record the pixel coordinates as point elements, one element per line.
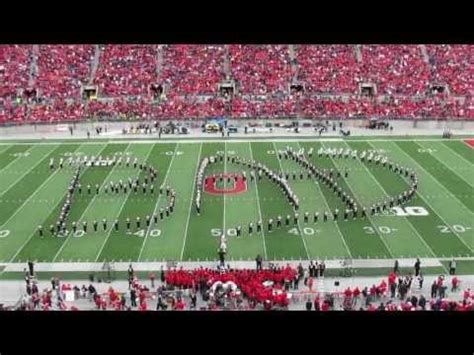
<point>437,223</point>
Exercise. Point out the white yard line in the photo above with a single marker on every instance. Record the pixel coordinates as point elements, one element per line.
<point>368,216</point>
<point>190,204</point>
<point>5,148</point>
<point>91,202</point>
<point>259,209</point>
<point>329,209</point>
<point>453,171</point>
<point>120,211</point>
<point>283,138</point>
<point>435,180</point>
<point>14,160</point>
<point>24,173</point>
<point>30,197</point>
<point>225,181</point>
<point>459,155</point>
<point>299,225</point>
<point>426,201</point>
<point>386,194</point>
<point>21,207</point>
<point>165,179</point>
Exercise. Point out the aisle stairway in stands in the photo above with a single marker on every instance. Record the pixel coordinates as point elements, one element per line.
<point>358,53</point>
<point>95,63</point>
<point>159,59</point>
<point>294,67</point>
<point>424,53</point>
<point>33,66</point>
<point>227,71</point>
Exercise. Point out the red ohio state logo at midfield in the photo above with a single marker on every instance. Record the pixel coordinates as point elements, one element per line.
<point>239,185</point>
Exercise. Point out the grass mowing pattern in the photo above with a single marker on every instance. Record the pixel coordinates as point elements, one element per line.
<point>32,195</point>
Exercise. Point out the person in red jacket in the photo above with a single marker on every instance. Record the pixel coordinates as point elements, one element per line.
<point>371,308</point>
<point>143,306</point>
<point>391,278</point>
<point>267,305</point>
<point>373,291</point>
<point>179,305</point>
<point>310,284</point>
<point>454,284</point>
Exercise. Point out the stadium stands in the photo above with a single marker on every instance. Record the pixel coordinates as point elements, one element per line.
<point>14,71</point>
<point>453,65</point>
<point>63,69</point>
<point>396,69</point>
<point>330,76</point>
<point>246,289</point>
<point>192,69</point>
<point>261,69</point>
<point>327,69</point>
<point>126,70</point>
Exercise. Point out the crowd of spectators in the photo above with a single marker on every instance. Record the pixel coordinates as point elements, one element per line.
<point>453,65</point>
<point>63,69</point>
<point>192,69</point>
<point>329,76</point>
<point>272,288</point>
<point>395,69</point>
<point>261,69</point>
<point>14,68</point>
<point>126,70</point>
<point>327,68</point>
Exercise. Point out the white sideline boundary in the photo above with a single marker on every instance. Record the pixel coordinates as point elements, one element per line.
<point>62,141</point>
<point>148,266</point>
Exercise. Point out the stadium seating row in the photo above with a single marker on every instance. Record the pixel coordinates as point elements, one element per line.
<point>190,74</point>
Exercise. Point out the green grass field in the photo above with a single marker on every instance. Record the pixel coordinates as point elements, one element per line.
<point>31,195</point>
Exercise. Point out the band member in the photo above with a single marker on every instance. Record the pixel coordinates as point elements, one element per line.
<point>94,225</point>
<point>138,222</point>
<point>147,221</point>
<point>96,189</point>
<point>155,217</point>
<point>336,211</point>
<point>250,228</point>
<point>278,221</point>
<point>167,211</point>
<point>40,231</point>
<point>74,227</point>
<point>116,225</point>
<point>315,218</point>
<point>287,220</point>
<point>325,217</point>
<point>270,224</point>
<point>162,212</point>
<point>239,231</point>
<point>128,223</point>
<point>259,226</point>
<point>104,224</point>
<point>295,218</point>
